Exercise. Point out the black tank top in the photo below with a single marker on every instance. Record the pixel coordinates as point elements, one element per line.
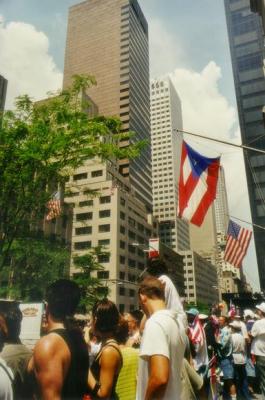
<point>95,367</point>
<point>75,383</point>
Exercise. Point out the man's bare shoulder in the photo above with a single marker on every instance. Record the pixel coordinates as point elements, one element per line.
<point>50,345</point>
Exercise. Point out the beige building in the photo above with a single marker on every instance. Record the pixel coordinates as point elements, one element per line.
<point>200,279</point>
<point>109,40</point>
<point>114,218</point>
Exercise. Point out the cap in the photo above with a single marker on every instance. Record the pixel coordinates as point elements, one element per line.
<point>203,316</point>
<point>193,311</point>
<point>261,307</point>
<point>237,316</point>
<point>235,324</point>
<point>249,313</point>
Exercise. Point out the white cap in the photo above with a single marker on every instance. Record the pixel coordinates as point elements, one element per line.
<point>261,307</point>
<point>203,316</point>
<point>249,313</point>
<point>235,324</point>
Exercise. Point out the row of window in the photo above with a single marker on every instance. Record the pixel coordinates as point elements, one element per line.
<point>89,215</point>
<point>84,175</point>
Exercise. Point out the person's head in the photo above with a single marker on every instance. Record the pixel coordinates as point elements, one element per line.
<point>10,321</point>
<point>236,326</point>
<point>122,332</point>
<point>105,318</point>
<point>151,290</point>
<point>192,313</point>
<point>134,319</point>
<point>223,321</point>
<point>62,297</point>
<point>249,315</point>
<point>261,310</point>
<point>156,267</point>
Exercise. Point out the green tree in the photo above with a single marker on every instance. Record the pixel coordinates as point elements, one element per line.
<point>40,146</point>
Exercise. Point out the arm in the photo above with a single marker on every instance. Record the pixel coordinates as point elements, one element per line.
<point>50,360</point>
<point>109,367</point>
<point>158,377</point>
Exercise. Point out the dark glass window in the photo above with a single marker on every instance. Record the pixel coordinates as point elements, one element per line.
<point>104,228</point>
<point>84,216</point>
<point>86,203</point>
<point>83,230</point>
<point>96,173</point>
<point>105,199</point>
<point>82,245</point>
<point>104,242</point>
<point>104,213</point>
<point>103,274</point>
<point>103,258</point>
<point>77,177</point>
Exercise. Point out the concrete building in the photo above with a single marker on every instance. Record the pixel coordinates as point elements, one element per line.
<point>166,117</point>
<point>3,89</point>
<point>245,33</point>
<point>201,282</point>
<point>113,218</point>
<point>109,40</point>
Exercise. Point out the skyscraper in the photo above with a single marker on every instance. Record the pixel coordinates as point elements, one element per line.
<point>109,40</point>
<point>246,46</point>
<point>166,117</point>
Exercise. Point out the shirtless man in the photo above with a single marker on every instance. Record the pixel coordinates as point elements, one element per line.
<point>60,359</point>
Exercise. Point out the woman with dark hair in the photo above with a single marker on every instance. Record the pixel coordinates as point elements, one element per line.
<point>105,369</point>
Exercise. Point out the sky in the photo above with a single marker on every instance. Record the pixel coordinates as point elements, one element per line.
<point>188,40</point>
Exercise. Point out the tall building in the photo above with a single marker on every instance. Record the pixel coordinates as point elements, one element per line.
<point>3,88</point>
<point>246,45</point>
<point>166,117</point>
<point>109,40</point>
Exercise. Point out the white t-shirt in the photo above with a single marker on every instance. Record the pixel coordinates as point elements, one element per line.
<point>244,330</point>
<point>172,299</point>
<point>163,335</point>
<point>239,348</point>
<point>6,391</point>
<point>258,333</point>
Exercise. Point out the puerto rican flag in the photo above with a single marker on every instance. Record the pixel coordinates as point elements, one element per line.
<point>197,184</point>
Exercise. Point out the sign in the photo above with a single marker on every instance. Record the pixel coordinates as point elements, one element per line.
<point>31,321</point>
<point>153,248</point>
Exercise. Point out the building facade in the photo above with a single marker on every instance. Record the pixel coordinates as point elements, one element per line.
<point>246,45</point>
<point>3,89</point>
<point>108,39</point>
<point>200,279</point>
<point>166,117</point>
<point>107,213</point>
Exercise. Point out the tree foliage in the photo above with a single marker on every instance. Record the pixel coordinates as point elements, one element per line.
<point>40,145</point>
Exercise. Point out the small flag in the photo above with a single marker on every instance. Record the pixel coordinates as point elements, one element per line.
<point>232,309</point>
<point>54,206</point>
<point>196,333</point>
<point>197,184</point>
<point>238,239</point>
<point>153,248</point>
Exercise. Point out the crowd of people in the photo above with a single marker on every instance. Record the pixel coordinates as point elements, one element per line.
<point>158,351</point>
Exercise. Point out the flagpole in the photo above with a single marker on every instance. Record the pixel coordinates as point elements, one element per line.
<point>240,146</point>
<point>250,223</point>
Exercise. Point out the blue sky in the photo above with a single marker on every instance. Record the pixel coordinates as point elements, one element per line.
<point>188,39</point>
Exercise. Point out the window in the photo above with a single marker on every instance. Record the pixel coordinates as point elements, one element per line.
<point>82,245</point>
<point>104,242</point>
<point>83,230</point>
<point>121,308</point>
<point>122,229</point>
<point>131,249</point>
<point>132,235</point>
<point>103,274</point>
<point>131,278</point>
<point>105,199</point>
<point>122,260</point>
<point>96,173</point>
<point>122,244</point>
<point>122,201</point>
<point>122,215</point>
<point>78,177</point>
<point>86,203</point>
<point>103,258</point>
<point>104,228</point>
<point>132,263</point>
<point>84,216</point>
<point>104,213</point>
<point>122,275</point>
<point>122,291</point>
<point>131,292</point>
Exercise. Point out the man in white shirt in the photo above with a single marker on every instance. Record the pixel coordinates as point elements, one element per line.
<point>258,345</point>
<point>162,346</point>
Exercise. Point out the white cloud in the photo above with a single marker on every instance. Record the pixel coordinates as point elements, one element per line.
<point>26,63</point>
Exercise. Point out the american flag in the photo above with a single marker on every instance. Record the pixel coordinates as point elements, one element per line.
<point>196,333</point>
<point>54,206</point>
<point>238,239</point>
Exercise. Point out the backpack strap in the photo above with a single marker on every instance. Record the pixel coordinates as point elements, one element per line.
<point>7,372</point>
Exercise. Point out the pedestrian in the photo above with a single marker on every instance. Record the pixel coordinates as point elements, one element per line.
<point>15,354</point>
<point>104,371</point>
<point>60,359</point>
<point>198,342</point>
<point>126,384</point>
<point>162,346</point>
<point>249,317</point>
<point>239,358</point>
<point>225,350</point>
<point>134,319</point>
<point>258,345</point>
<point>6,374</point>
